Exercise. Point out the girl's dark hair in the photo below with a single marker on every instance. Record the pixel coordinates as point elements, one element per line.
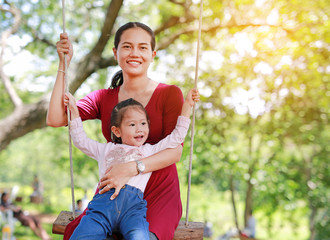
<point>118,113</point>
<point>118,79</point>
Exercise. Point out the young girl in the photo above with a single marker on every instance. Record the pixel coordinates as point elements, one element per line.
<point>129,131</point>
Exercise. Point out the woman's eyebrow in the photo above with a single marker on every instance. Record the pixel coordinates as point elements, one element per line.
<point>142,43</point>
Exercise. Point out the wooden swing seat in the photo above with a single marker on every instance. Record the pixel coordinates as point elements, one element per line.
<point>194,230</point>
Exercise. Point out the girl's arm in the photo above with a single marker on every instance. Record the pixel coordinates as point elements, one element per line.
<point>118,175</point>
<point>56,115</point>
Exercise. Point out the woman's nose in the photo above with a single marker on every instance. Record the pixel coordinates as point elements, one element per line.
<point>134,52</point>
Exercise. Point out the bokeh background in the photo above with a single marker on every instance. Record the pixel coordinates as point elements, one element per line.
<point>262,134</point>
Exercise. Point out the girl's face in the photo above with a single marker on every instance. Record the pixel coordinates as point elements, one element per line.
<point>134,128</point>
<point>134,53</point>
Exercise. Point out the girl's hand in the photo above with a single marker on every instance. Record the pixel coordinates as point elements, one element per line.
<point>116,177</point>
<point>64,46</point>
<point>192,97</point>
<point>70,101</point>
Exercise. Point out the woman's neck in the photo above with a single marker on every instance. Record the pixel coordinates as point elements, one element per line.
<point>140,89</point>
<point>137,84</point>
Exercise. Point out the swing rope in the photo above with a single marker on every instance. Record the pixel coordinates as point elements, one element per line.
<point>69,118</point>
<point>194,109</point>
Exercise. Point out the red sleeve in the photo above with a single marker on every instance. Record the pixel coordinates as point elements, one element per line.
<point>89,105</point>
<point>173,102</point>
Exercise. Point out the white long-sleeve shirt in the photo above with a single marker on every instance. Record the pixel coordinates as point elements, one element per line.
<point>108,154</point>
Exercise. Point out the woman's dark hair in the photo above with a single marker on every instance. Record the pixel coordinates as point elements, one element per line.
<point>117,79</point>
<point>118,113</point>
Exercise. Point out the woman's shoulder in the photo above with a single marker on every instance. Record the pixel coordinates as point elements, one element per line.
<point>165,90</point>
<point>166,95</point>
<point>104,91</point>
<point>101,93</point>
<point>168,87</point>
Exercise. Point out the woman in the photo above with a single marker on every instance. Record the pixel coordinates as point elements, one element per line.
<point>134,49</point>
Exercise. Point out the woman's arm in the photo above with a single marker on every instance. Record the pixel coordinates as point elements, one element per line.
<point>56,115</point>
<point>118,175</point>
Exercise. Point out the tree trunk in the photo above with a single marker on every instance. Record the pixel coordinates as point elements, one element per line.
<point>308,173</point>
<point>312,222</point>
<point>24,119</point>
<point>248,201</point>
<point>232,189</point>
<point>248,195</point>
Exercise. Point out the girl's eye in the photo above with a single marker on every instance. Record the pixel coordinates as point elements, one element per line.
<point>132,124</point>
<point>144,123</point>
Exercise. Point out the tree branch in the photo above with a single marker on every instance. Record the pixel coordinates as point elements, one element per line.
<point>16,100</point>
<point>175,20</point>
<point>91,62</point>
<point>38,37</point>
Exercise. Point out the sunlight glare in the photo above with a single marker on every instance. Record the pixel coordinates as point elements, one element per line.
<point>278,81</point>
<point>212,59</point>
<point>246,102</point>
<point>285,60</point>
<point>263,68</point>
<point>243,44</point>
<point>260,3</point>
<point>273,17</point>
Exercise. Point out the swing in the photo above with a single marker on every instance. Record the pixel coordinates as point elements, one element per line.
<point>185,230</point>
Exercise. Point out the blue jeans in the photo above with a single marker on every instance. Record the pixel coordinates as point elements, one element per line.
<point>126,214</point>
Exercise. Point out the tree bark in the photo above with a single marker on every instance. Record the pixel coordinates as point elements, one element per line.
<point>24,119</point>
<point>232,189</point>
<point>312,222</point>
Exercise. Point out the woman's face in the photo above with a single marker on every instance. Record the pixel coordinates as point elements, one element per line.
<point>134,53</point>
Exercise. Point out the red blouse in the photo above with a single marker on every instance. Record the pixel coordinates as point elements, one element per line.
<point>162,192</point>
